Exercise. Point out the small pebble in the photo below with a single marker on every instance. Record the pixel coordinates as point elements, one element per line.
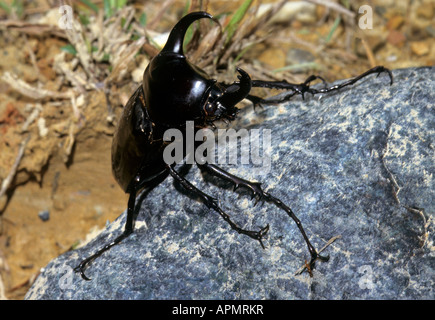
<point>44,215</point>
<point>396,38</point>
<point>420,48</point>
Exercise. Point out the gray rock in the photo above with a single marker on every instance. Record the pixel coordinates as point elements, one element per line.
<point>358,163</point>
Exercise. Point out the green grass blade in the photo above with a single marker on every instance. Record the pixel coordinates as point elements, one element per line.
<point>91,5</point>
<point>186,8</point>
<point>5,7</point>
<point>334,27</point>
<point>121,4</point>
<point>240,55</point>
<point>70,49</point>
<point>231,28</point>
<point>108,12</point>
<point>143,19</point>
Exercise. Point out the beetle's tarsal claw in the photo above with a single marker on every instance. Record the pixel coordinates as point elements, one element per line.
<point>263,232</point>
<point>390,74</point>
<point>81,269</point>
<point>84,276</point>
<point>257,199</point>
<point>324,258</point>
<point>261,243</point>
<point>381,69</point>
<point>314,257</point>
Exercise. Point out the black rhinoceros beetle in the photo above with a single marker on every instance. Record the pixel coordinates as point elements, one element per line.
<point>173,92</point>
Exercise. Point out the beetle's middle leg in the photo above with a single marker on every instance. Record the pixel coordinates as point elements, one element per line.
<point>259,193</point>
<point>212,203</point>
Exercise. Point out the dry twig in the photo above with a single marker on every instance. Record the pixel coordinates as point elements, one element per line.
<point>306,265</point>
<point>7,181</point>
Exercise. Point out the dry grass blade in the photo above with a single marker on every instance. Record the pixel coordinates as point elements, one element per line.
<point>334,6</point>
<point>120,66</point>
<point>77,79</point>
<point>245,34</point>
<point>158,16</point>
<point>426,222</point>
<point>37,108</point>
<point>27,90</point>
<point>32,28</point>
<point>76,38</point>
<point>266,16</point>
<point>205,47</point>
<point>369,53</point>
<point>234,23</point>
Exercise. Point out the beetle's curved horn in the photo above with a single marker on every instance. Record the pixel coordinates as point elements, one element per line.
<point>237,92</point>
<point>176,37</point>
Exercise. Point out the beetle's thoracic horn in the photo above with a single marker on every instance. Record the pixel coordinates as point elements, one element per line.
<point>176,37</point>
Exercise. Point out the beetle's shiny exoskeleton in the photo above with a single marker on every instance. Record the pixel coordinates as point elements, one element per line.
<point>173,92</point>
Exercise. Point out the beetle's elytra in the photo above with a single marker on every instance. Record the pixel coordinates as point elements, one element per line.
<point>173,92</point>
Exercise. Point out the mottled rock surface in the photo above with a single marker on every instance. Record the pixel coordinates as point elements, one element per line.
<point>358,163</point>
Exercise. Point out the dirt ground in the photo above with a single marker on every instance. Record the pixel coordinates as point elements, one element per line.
<point>65,168</point>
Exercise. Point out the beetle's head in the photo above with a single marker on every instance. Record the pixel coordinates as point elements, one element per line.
<point>222,100</point>
<point>177,91</point>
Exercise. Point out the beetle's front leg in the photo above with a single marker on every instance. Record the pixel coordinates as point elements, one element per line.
<point>212,203</point>
<point>258,192</point>
<point>302,88</point>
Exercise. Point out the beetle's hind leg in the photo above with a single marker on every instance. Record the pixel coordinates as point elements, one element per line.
<point>259,193</point>
<point>128,229</point>
<point>212,203</point>
<point>133,188</point>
